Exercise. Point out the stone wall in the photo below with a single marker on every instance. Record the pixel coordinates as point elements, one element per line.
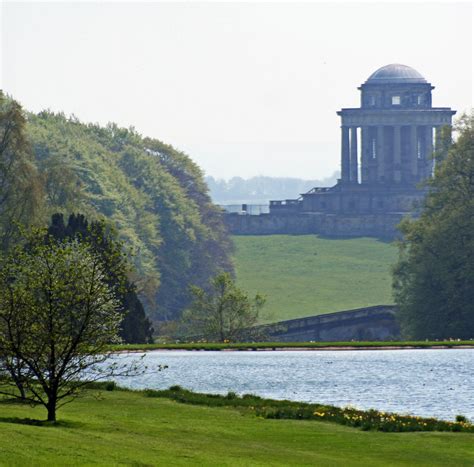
<point>329,225</point>
<point>370,323</point>
<point>361,199</point>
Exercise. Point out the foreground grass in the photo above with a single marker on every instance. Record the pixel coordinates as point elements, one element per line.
<point>305,275</point>
<point>296,345</point>
<point>127,428</point>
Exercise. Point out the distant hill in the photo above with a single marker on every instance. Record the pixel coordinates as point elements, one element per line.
<point>260,190</point>
<point>304,275</point>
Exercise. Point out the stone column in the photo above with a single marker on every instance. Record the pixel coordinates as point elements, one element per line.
<point>365,156</point>
<point>397,154</point>
<point>354,172</point>
<point>345,159</point>
<point>428,151</point>
<point>380,154</point>
<point>414,153</point>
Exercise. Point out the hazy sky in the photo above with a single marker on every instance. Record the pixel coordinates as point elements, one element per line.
<point>243,88</point>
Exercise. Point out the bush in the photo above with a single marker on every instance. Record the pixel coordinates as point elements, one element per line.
<point>461,419</point>
<point>110,386</point>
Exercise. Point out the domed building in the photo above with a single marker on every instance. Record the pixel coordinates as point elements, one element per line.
<point>395,122</point>
<point>387,146</point>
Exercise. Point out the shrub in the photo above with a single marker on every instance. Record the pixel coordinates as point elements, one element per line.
<point>110,386</point>
<point>461,419</point>
<point>176,388</point>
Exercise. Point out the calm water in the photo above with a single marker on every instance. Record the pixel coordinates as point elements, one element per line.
<point>438,383</point>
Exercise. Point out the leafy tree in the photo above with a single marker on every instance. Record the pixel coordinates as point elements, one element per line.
<point>224,313</point>
<point>193,254</point>
<point>58,314</point>
<point>434,277</point>
<point>153,194</point>
<point>21,190</point>
<point>135,327</point>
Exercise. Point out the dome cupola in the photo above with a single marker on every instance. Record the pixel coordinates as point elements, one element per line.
<point>395,73</point>
<point>396,86</point>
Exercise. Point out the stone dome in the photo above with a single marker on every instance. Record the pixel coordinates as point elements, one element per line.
<point>395,73</point>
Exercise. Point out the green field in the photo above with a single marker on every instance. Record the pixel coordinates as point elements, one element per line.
<point>126,428</point>
<point>306,275</point>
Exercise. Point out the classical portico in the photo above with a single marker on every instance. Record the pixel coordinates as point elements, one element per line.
<point>397,128</point>
<point>387,147</point>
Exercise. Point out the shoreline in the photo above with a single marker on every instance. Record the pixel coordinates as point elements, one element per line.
<point>295,348</point>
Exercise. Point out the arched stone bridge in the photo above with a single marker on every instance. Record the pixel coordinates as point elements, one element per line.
<point>370,323</point>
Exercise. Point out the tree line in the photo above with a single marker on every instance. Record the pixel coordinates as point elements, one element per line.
<point>68,289</point>
<point>153,195</point>
<point>261,189</point>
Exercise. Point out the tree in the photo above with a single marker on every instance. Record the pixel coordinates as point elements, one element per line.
<point>206,247</point>
<point>434,276</point>
<point>21,188</point>
<point>135,327</point>
<point>58,315</point>
<point>224,313</point>
<point>153,194</point>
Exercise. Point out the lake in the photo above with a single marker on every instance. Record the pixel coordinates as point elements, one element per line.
<point>433,383</point>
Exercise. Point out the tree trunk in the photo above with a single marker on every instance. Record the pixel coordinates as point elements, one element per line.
<point>21,388</point>
<point>51,410</point>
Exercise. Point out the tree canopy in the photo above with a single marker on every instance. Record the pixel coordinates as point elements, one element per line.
<point>434,277</point>
<point>154,195</point>
<point>21,188</point>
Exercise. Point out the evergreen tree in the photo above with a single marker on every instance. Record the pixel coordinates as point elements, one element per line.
<point>135,326</point>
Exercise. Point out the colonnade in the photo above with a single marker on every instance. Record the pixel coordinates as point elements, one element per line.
<point>389,153</point>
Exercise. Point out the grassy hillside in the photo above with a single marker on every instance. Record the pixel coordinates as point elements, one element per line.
<point>150,431</point>
<point>307,275</point>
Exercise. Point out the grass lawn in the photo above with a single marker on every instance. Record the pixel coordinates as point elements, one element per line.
<point>111,428</point>
<point>304,275</point>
